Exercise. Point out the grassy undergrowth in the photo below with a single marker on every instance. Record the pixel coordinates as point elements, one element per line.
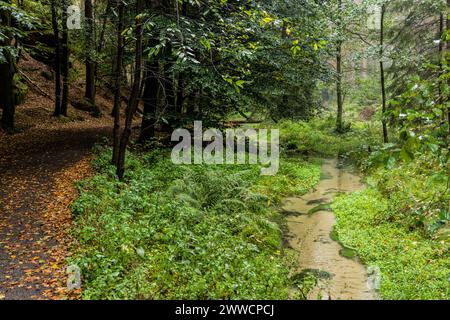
<point>412,266</point>
<point>401,223</point>
<point>184,232</point>
<point>318,138</point>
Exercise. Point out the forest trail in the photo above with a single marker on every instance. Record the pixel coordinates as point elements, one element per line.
<point>310,225</point>
<point>37,171</point>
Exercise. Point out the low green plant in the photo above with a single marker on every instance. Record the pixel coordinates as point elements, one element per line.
<point>418,194</point>
<point>318,138</point>
<point>183,232</point>
<point>401,223</point>
<point>412,266</point>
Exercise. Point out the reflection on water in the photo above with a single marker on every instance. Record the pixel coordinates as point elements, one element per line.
<point>310,223</point>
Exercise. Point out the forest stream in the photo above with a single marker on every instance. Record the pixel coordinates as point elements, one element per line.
<point>310,224</point>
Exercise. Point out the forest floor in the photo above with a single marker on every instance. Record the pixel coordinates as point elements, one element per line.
<point>38,167</point>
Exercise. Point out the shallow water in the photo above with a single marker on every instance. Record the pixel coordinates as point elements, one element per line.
<point>310,223</point>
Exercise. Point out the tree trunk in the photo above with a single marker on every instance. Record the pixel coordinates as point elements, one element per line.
<point>180,84</point>
<point>168,94</point>
<point>150,99</point>
<point>180,93</point>
<point>340,101</point>
<point>90,43</point>
<point>134,98</point>
<point>284,35</point>
<point>441,51</point>
<point>118,82</point>
<point>7,71</point>
<point>54,9</point>
<point>448,48</point>
<point>184,8</point>
<point>169,87</point>
<point>383,83</point>
<point>65,59</point>
<point>191,106</point>
<point>441,35</point>
<point>151,88</point>
<point>7,101</point>
<point>101,40</point>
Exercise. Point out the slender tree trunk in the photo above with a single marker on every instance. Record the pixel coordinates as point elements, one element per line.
<point>383,82</point>
<point>441,34</point>
<point>191,106</point>
<point>180,93</point>
<point>150,99</point>
<point>134,98</point>
<point>7,101</point>
<point>90,43</point>
<point>65,59</point>
<point>118,82</point>
<point>180,84</point>
<point>284,35</point>
<point>448,49</point>
<point>169,86</point>
<point>340,100</point>
<point>150,93</point>
<point>54,9</point>
<point>184,8</point>
<point>441,51</point>
<point>7,71</point>
<point>101,40</point>
<point>169,93</point>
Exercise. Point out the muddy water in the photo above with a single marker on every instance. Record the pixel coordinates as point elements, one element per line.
<point>310,223</point>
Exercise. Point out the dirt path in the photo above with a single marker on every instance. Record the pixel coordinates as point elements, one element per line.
<point>310,224</point>
<point>37,171</point>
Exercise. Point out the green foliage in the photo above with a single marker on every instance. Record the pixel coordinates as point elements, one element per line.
<point>401,223</point>
<point>295,177</point>
<point>15,22</point>
<point>412,266</point>
<point>418,194</point>
<point>417,177</point>
<point>317,137</point>
<point>237,56</point>
<point>413,43</point>
<point>183,232</point>
<point>421,113</point>
<point>366,92</point>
